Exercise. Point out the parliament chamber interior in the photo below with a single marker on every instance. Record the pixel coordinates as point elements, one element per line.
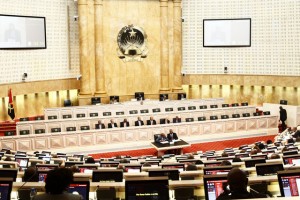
<point>150,99</point>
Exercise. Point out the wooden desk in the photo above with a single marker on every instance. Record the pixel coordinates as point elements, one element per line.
<point>161,148</point>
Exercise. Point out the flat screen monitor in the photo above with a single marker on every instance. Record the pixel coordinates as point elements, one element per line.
<point>179,166</point>
<point>42,175</point>
<point>139,96</point>
<point>104,175</point>
<point>22,32</point>
<point>21,152</point>
<point>95,100</point>
<point>48,167</point>
<point>289,183</point>
<point>47,153</point>
<point>227,32</point>
<point>214,185</point>
<point>133,168</point>
<point>9,173</point>
<point>80,156</point>
<point>147,188</point>
<point>172,174</point>
<point>266,169</point>
<point>293,152</point>
<point>72,163</point>
<point>23,162</point>
<point>45,158</point>
<point>5,189</point>
<point>283,102</point>
<point>87,168</point>
<point>253,162</point>
<point>216,170</point>
<point>291,159</point>
<point>81,188</point>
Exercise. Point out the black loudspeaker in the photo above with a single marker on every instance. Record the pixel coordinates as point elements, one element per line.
<point>163,97</point>
<point>235,105</point>
<point>95,100</point>
<point>256,114</point>
<point>244,104</point>
<point>246,114</point>
<point>181,96</point>
<point>213,117</point>
<point>139,96</point>
<point>224,116</point>
<point>213,106</point>
<point>225,105</point>
<point>114,99</point>
<point>201,118</point>
<point>67,103</point>
<point>267,113</point>
<point>283,102</point>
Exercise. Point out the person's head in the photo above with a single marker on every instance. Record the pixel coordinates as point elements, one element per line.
<point>58,180</point>
<point>191,167</point>
<point>8,152</point>
<point>139,118</point>
<point>225,163</point>
<point>275,156</point>
<point>199,162</point>
<point>99,122</point>
<point>285,149</point>
<point>125,120</point>
<point>30,175</point>
<point>112,121</point>
<point>90,160</point>
<point>190,156</point>
<point>253,152</point>
<point>146,164</point>
<point>118,157</point>
<point>280,107</point>
<point>177,117</point>
<point>261,146</point>
<point>237,180</point>
<point>163,135</point>
<point>269,142</point>
<point>236,160</point>
<point>224,154</point>
<point>291,140</point>
<point>171,130</point>
<point>124,160</point>
<point>151,118</point>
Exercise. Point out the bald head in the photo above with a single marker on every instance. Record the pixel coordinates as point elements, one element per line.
<point>237,179</point>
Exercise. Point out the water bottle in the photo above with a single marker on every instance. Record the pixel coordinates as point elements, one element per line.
<point>32,193</point>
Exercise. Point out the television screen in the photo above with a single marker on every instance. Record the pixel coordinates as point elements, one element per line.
<point>5,189</point>
<point>42,174</point>
<point>266,169</point>
<point>103,175</point>
<point>81,188</point>
<point>147,189</point>
<point>253,162</point>
<point>23,162</point>
<point>289,183</point>
<point>214,185</point>
<point>291,159</point>
<point>22,32</point>
<point>9,173</point>
<point>227,32</point>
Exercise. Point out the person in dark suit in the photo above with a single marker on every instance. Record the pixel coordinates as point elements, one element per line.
<point>100,125</point>
<point>282,117</point>
<point>151,121</point>
<point>176,120</point>
<point>56,185</point>
<point>139,122</point>
<point>164,121</point>
<point>172,136</point>
<point>112,124</point>
<point>161,138</point>
<point>124,123</point>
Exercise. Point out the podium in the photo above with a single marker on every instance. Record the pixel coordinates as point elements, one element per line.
<point>176,145</point>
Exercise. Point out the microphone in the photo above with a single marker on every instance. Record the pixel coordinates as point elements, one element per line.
<point>29,179</point>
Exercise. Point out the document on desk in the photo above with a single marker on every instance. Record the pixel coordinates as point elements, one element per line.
<point>164,142</point>
<point>175,140</point>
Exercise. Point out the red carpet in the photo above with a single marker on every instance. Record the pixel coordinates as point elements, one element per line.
<point>219,145</point>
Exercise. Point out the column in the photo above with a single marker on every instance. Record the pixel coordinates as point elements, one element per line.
<point>177,46</point>
<point>85,88</point>
<point>164,51</point>
<point>100,77</point>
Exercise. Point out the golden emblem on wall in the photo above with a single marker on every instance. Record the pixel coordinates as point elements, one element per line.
<point>132,42</point>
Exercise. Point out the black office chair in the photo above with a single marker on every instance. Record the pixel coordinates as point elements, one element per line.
<point>184,193</point>
<point>106,194</point>
<point>24,194</point>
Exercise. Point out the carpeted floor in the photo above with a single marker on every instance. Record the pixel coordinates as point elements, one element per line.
<point>219,145</point>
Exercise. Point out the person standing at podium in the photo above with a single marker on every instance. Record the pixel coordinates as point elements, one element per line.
<point>172,136</point>
<point>282,117</point>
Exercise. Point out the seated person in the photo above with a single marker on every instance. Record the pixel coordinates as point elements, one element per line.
<point>124,123</point>
<point>139,122</point>
<point>172,136</point>
<point>238,182</point>
<point>112,124</point>
<point>56,185</point>
<point>164,121</point>
<point>100,125</point>
<point>151,121</point>
<point>161,138</point>
<point>30,175</point>
<point>176,120</point>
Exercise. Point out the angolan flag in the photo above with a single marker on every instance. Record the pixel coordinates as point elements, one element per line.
<point>11,111</point>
